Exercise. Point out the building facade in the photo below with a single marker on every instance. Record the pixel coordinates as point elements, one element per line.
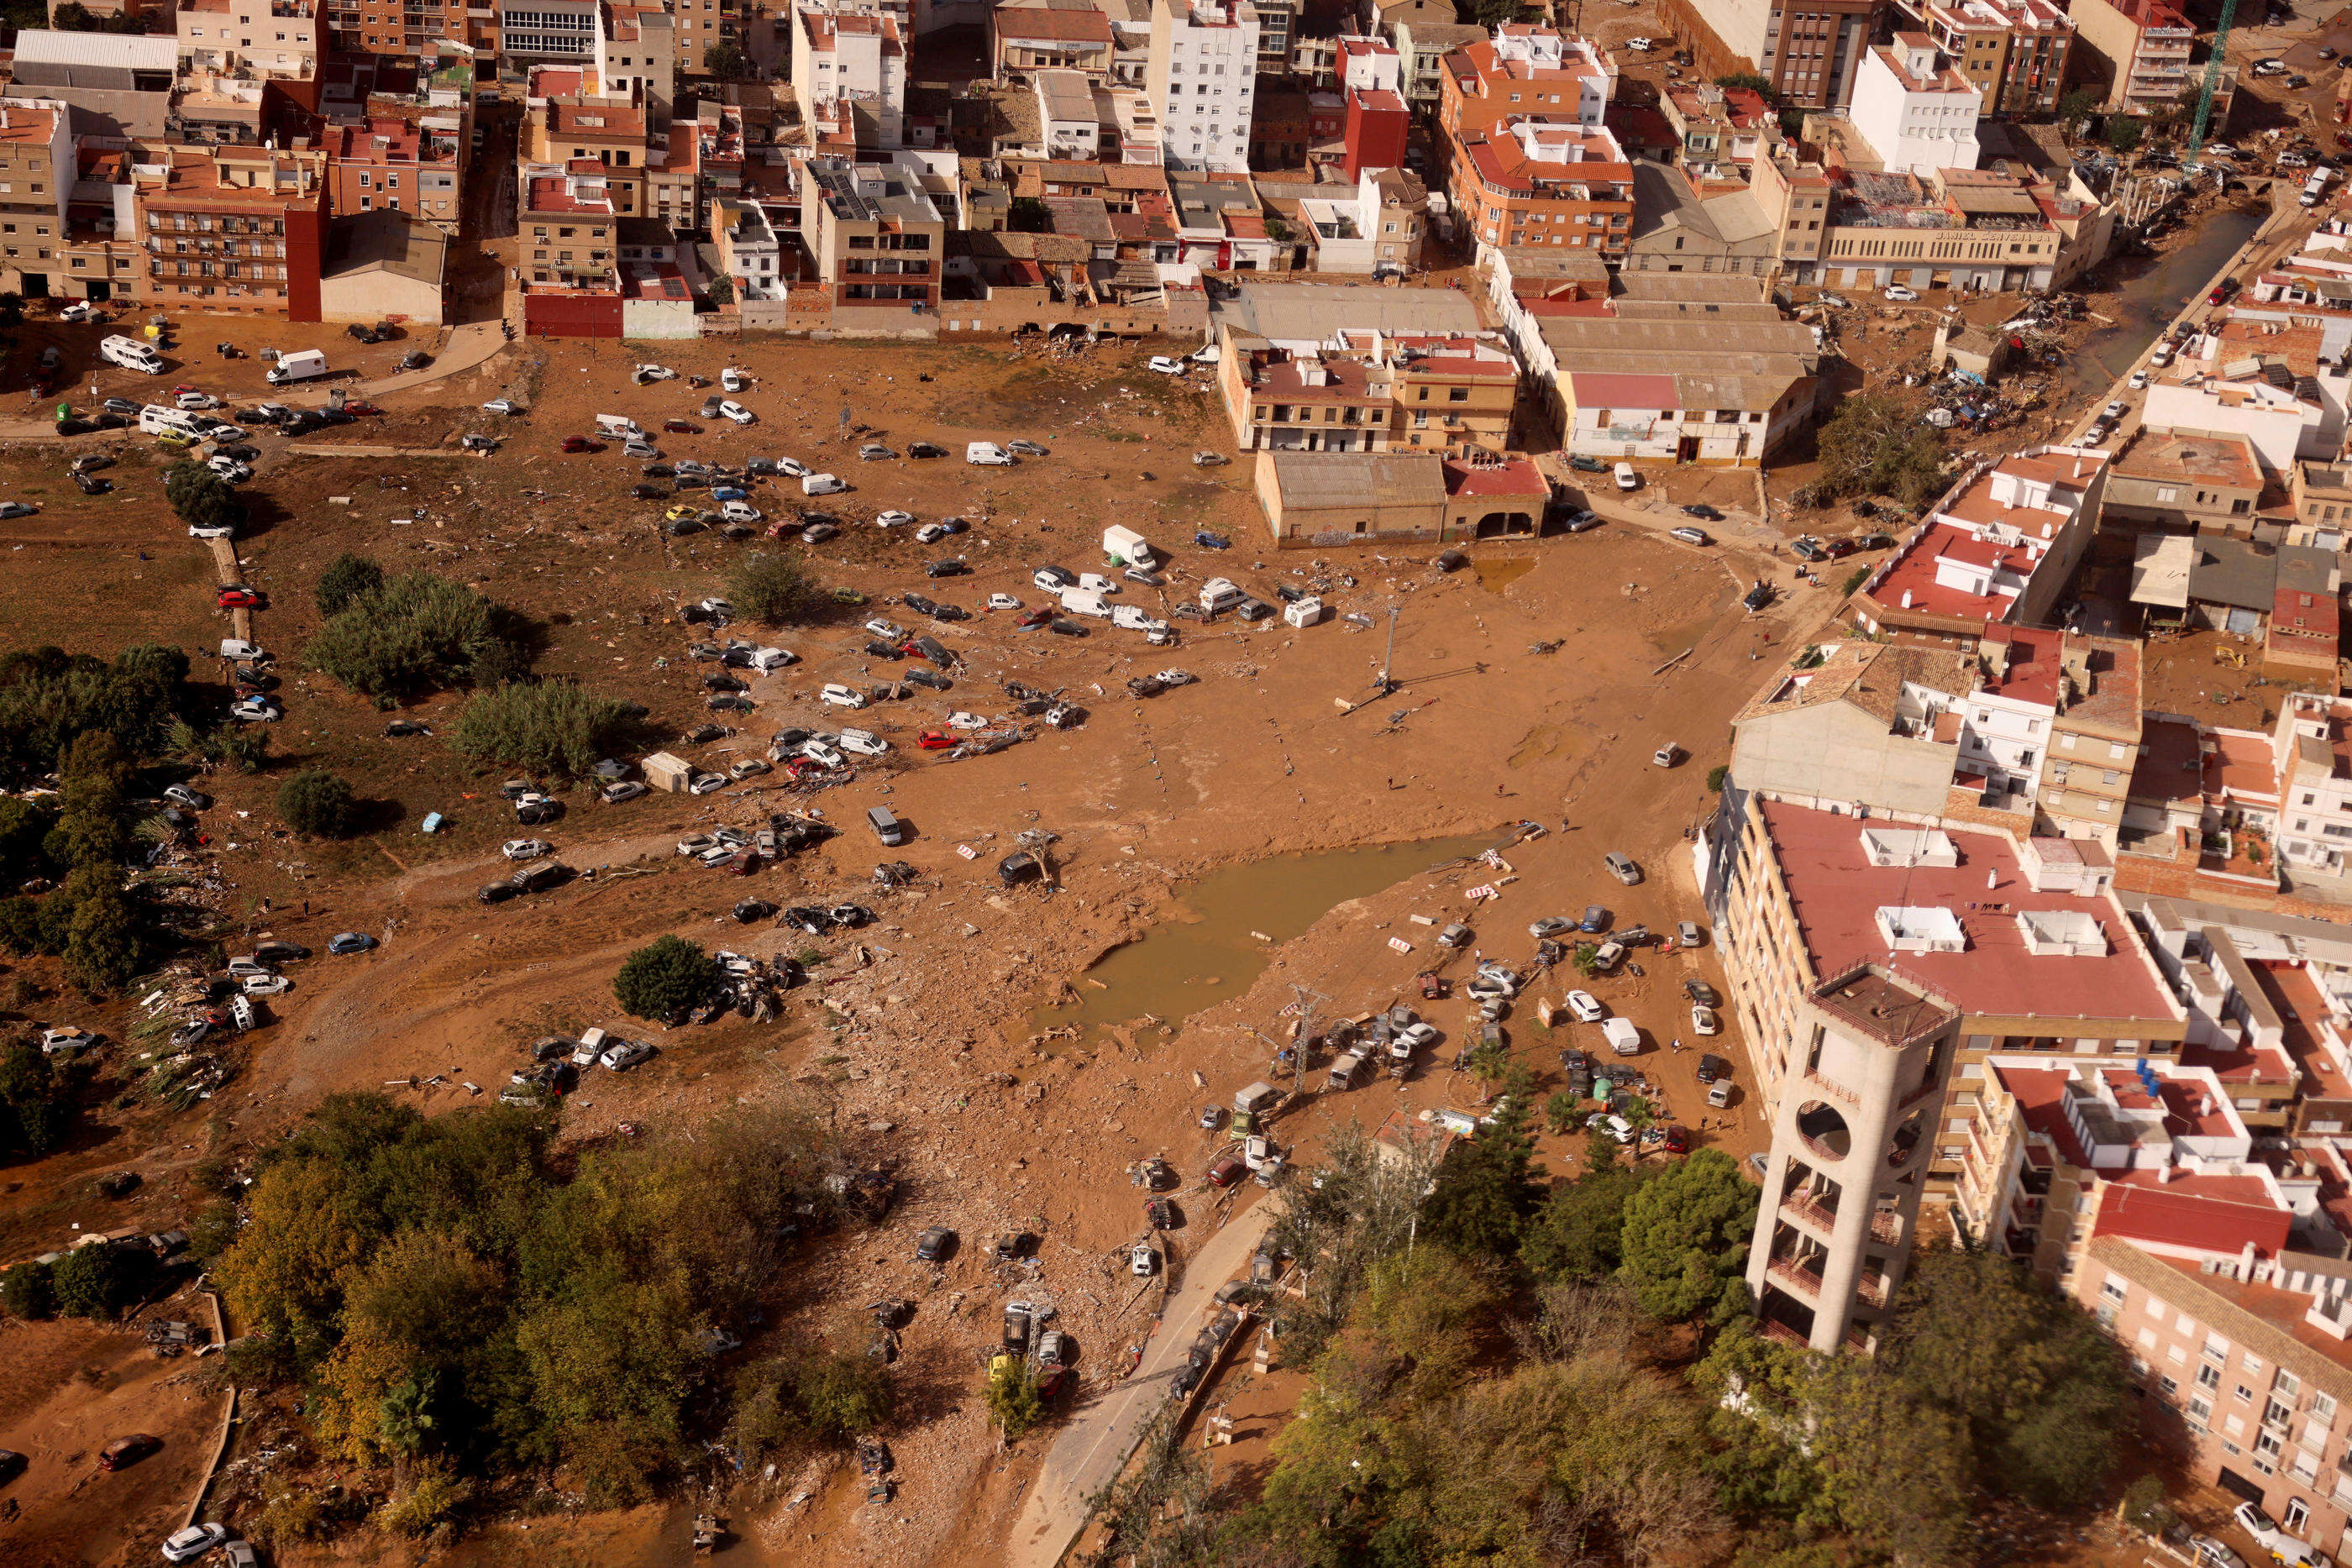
<point>1201,81</point>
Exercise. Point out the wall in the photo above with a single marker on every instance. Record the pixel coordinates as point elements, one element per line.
<point>572,315</point>
<point>374,294</point>
<point>1837,752</point>
<point>663,318</point>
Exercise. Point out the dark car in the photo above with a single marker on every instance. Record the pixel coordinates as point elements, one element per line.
<point>498,891</point>
<point>951,612</point>
<point>1162,1213</point>
<point>881,650</point>
<point>917,603</point>
<point>1701,510</point>
<point>349,942</point>
<point>931,679</point>
<point>92,484</point>
<point>1711,1067</point>
<point>1588,465</point>
<point>112,421</point>
<point>124,1452</point>
<point>947,569</point>
<point>1208,540</point>
<point>650,492</point>
<point>121,405</point>
<point>926,449</point>
<point>1702,993</point>
<point>1807,550</point>
<point>415,360</point>
<point>1066,628</point>
<point>1596,918</point>
<point>1873,541</point>
<point>1227,1171</point>
<point>934,1244</point>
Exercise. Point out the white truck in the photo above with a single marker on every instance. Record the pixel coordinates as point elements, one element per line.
<point>1218,594</point>
<point>131,354</point>
<point>1128,547</point>
<point>309,364</point>
<point>1084,602</point>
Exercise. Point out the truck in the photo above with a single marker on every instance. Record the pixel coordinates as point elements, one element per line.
<point>667,771</point>
<point>1219,594</point>
<point>1254,1104</point>
<point>307,365</point>
<point>131,354</point>
<point>1084,602</point>
<point>1126,548</point>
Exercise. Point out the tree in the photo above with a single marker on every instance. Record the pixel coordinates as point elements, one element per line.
<point>727,61</point>
<point>105,944</point>
<point>1873,445</point>
<point>1488,1187</point>
<point>415,633</point>
<point>200,498</point>
<point>774,589</point>
<point>35,1108</point>
<point>1686,1238</point>
<point>1716,776</point>
<point>665,979</point>
<point>1028,215</point>
<point>840,1395</point>
<point>1493,14</point>
<point>347,577</point>
<point>1746,81</point>
<point>28,1290</point>
<point>2124,131</point>
<point>94,1281</point>
<point>1578,1234</point>
<point>2077,104</point>
<point>1896,1473</point>
<point>550,728</point>
<point>317,804</point>
<point>1014,1403</point>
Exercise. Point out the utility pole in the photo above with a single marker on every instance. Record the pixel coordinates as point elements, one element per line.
<point>1387,682</point>
<point>1306,999</point>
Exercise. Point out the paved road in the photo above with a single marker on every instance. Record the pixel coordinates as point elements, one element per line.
<point>1093,1448</point>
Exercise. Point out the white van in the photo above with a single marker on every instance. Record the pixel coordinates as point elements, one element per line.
<point>307,365</point>
<point>1133,618</point>
<point>131,354</point>
<point>1217,594</point>
<point>619,427</point>
<point>822,484</point>
<point>1303,612</point>
<point>987,455</point>
<point>2315,187</point>
<point>1627,479</point>
<point>1623,1038</point>
<point>1084,602</point>
<point>155,419</point>
<point>591,1046</point>
<point>1127,545</point>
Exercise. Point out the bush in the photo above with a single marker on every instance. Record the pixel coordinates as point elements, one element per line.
<point>414,635</point>
<point>550,728</point>
<point>200,498</point>
<point>27,1290</point>
<point>431,1503</point>
<point>1716,775</point>
<point>347,577</point>
<point>94,1281</point>
<point>35,1108</point>
<point>317,804</point>
<point>49,698</point>
<point>840,1395</point>
<point>665,979</point>
<point>774,589</point>
<point>1014,1403</point>
<point>245,747</point>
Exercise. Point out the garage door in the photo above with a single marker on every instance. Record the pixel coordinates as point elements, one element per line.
<point>2244,622</point>
<point>2232,1481</point>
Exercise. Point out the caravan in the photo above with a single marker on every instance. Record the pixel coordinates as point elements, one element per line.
<point>157,420</point>
<point>131,354</point>
<point>618,427</point>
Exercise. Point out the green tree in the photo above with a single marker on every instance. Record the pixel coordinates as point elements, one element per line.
<point>317,804</point>
<point>775,589</point>
<point>200,498</point>
<point>840,1395</point>
<point>1488,1187</point>
<point>1896,1473</point>
<point>2124,131</point>
<point>1014,1403</point>
<point>1873,445</point>
<point>1029,215</point>
<point>2077,104</point>
<point>1746,81</point>
<point>106,940</point>
<point>96,1280</point>
<point>36,1107</point>
<point>1716,775</point>
<point>28,1290</point>
<point>348,577</point>
<point>550,728</point>
<point>727,61</point>
<point>417,633</point>
<point>1579,1232</point>
<point>666,979</point>
<point>1686,1237</point>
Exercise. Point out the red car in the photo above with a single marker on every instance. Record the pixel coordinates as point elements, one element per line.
<point>360,405</point>
<point>126,1451</point>
<point>1677,1139</point>
<point>581,444</point>
<point>1227,1171</point>
<point>681,427</point>
<point>935,741</point>
<point>1434,986</point>
<point>239,599</point>
<point>744,862</point>
<point>1040,616</point>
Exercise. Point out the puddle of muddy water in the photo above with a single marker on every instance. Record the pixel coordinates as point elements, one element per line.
<point>1206,953</point>
<point>1495,576</point>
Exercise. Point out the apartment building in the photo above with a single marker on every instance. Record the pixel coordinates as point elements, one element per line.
<point>415,29</point>
<point>237,230</point>
<point>849,75</point>
<point>2012,51</point>
<point>2142,55</point>
<point>569,219</point>
<point>37,176</point>
<point>1720,131</point>
<point>1999,547</point>
<point>1370,391</point>
<point>2085,791</point>
<point>1809,53</point>
<point>751,251</point>
<point>1202,80</point>
<point>2193,483</point>
<point>275,39</point>
<point>1917,112</point>
<point>1425,46</point>
<point>1524,72</point>
<point>1055,34</point>
<point>2312,747</point>
<point>2321,495</point>
<point>636,61</point>
<point>879,238</point>
<point>411,163</point>
<point>1541,182</point>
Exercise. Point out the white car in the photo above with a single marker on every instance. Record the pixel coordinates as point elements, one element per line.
<point>736,412</point>
<point>987,454</point>
<point>1897,292</point>
<point>1096,583</point>
<point>2138,381</point>
<point>1142,1261</point>
<point>201,531</point>
<point>822,484</point>
<point>704,783</point>
<point>1626,476</point>
<point>526,848</point>
<point>740,512</point>
<point>1166,366</point>
<point>187,1545</point>
<point>78,310</point>
<point>1586,1008</point>
<point>743,768</point>
<point>818,751</point>
<point>863,742</point>
<point>842,696</point>
<point>1703,1019</point>
<point>655,373</point>
<point>255,710</point>
<point>625,1054</point>
<point>228,468</point>
<point>889,631</point>
<point>766,659</point>
<point>505,405</point>
<point>893,519</point>
<point>1002,601</point>
<point>1666,756</point>
<point>791,467</point>
<point>1617,1126</point>
<point>1639,45</point>
<point>196,400</point>
<point>266,985</point>
<point>962,720</point>
<point>930,533</point>
<point>731,380</point>
<point>2267,1535</point>
<point>2115,410</point>
<point>65,1042</point>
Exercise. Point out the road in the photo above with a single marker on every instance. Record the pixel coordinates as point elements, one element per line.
<point>1095,1447</point>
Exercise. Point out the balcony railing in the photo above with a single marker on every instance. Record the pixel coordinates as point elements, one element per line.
<point>1805,1282</point>
<point>1809,1210</point>
<point>1885,1225</point>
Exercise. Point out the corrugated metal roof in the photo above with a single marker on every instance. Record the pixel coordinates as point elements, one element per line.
<point>123,51</point>
<point>1345,479</point>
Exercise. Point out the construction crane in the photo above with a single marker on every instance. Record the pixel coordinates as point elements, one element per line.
<point>2212,78</point>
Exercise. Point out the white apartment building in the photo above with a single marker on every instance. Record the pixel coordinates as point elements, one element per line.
<point>2313,743</point>
<point>264,38</point>
<point>549,30</point>
<point>637,52</point>
<point>1068,123</point>
<point>1202,77</point>
<point>1918,113</point>
<point>1531,52</point>
<point>849,74</point>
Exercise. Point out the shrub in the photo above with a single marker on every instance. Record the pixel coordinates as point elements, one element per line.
<point>317,804</point>
<point>1716,775</point>
<point>245,747</point>
<point>35,1108</point>
<point>840,1395</point>
<point>665,979</point>
<point>200,498</point>
<point>546,728</point>
<point>27,1290</point>
<point>1012,1400</point>
<point>94,1281</point>
<point>774,589</point>
<point>414,635</point>
<point>347,577</point>
<point>431,1503</point>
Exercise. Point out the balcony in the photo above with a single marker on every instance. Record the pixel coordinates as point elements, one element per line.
<point>1808,1210</point>
<point>1871,1290</point>
<point>1886,1226</point>
<point>1797,1277</point>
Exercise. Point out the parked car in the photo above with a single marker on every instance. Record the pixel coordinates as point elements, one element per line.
<point>934,1244</point>
<point>124,1452</point>
<point>1690,535</point>
<point>1896,291</point>
<point>1702,993</point>
<point>1622,868</point>
<point>344,942</point>
<point>1585,1006</point>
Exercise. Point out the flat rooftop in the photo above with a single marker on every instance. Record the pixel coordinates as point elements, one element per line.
<point>1837,893</point>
